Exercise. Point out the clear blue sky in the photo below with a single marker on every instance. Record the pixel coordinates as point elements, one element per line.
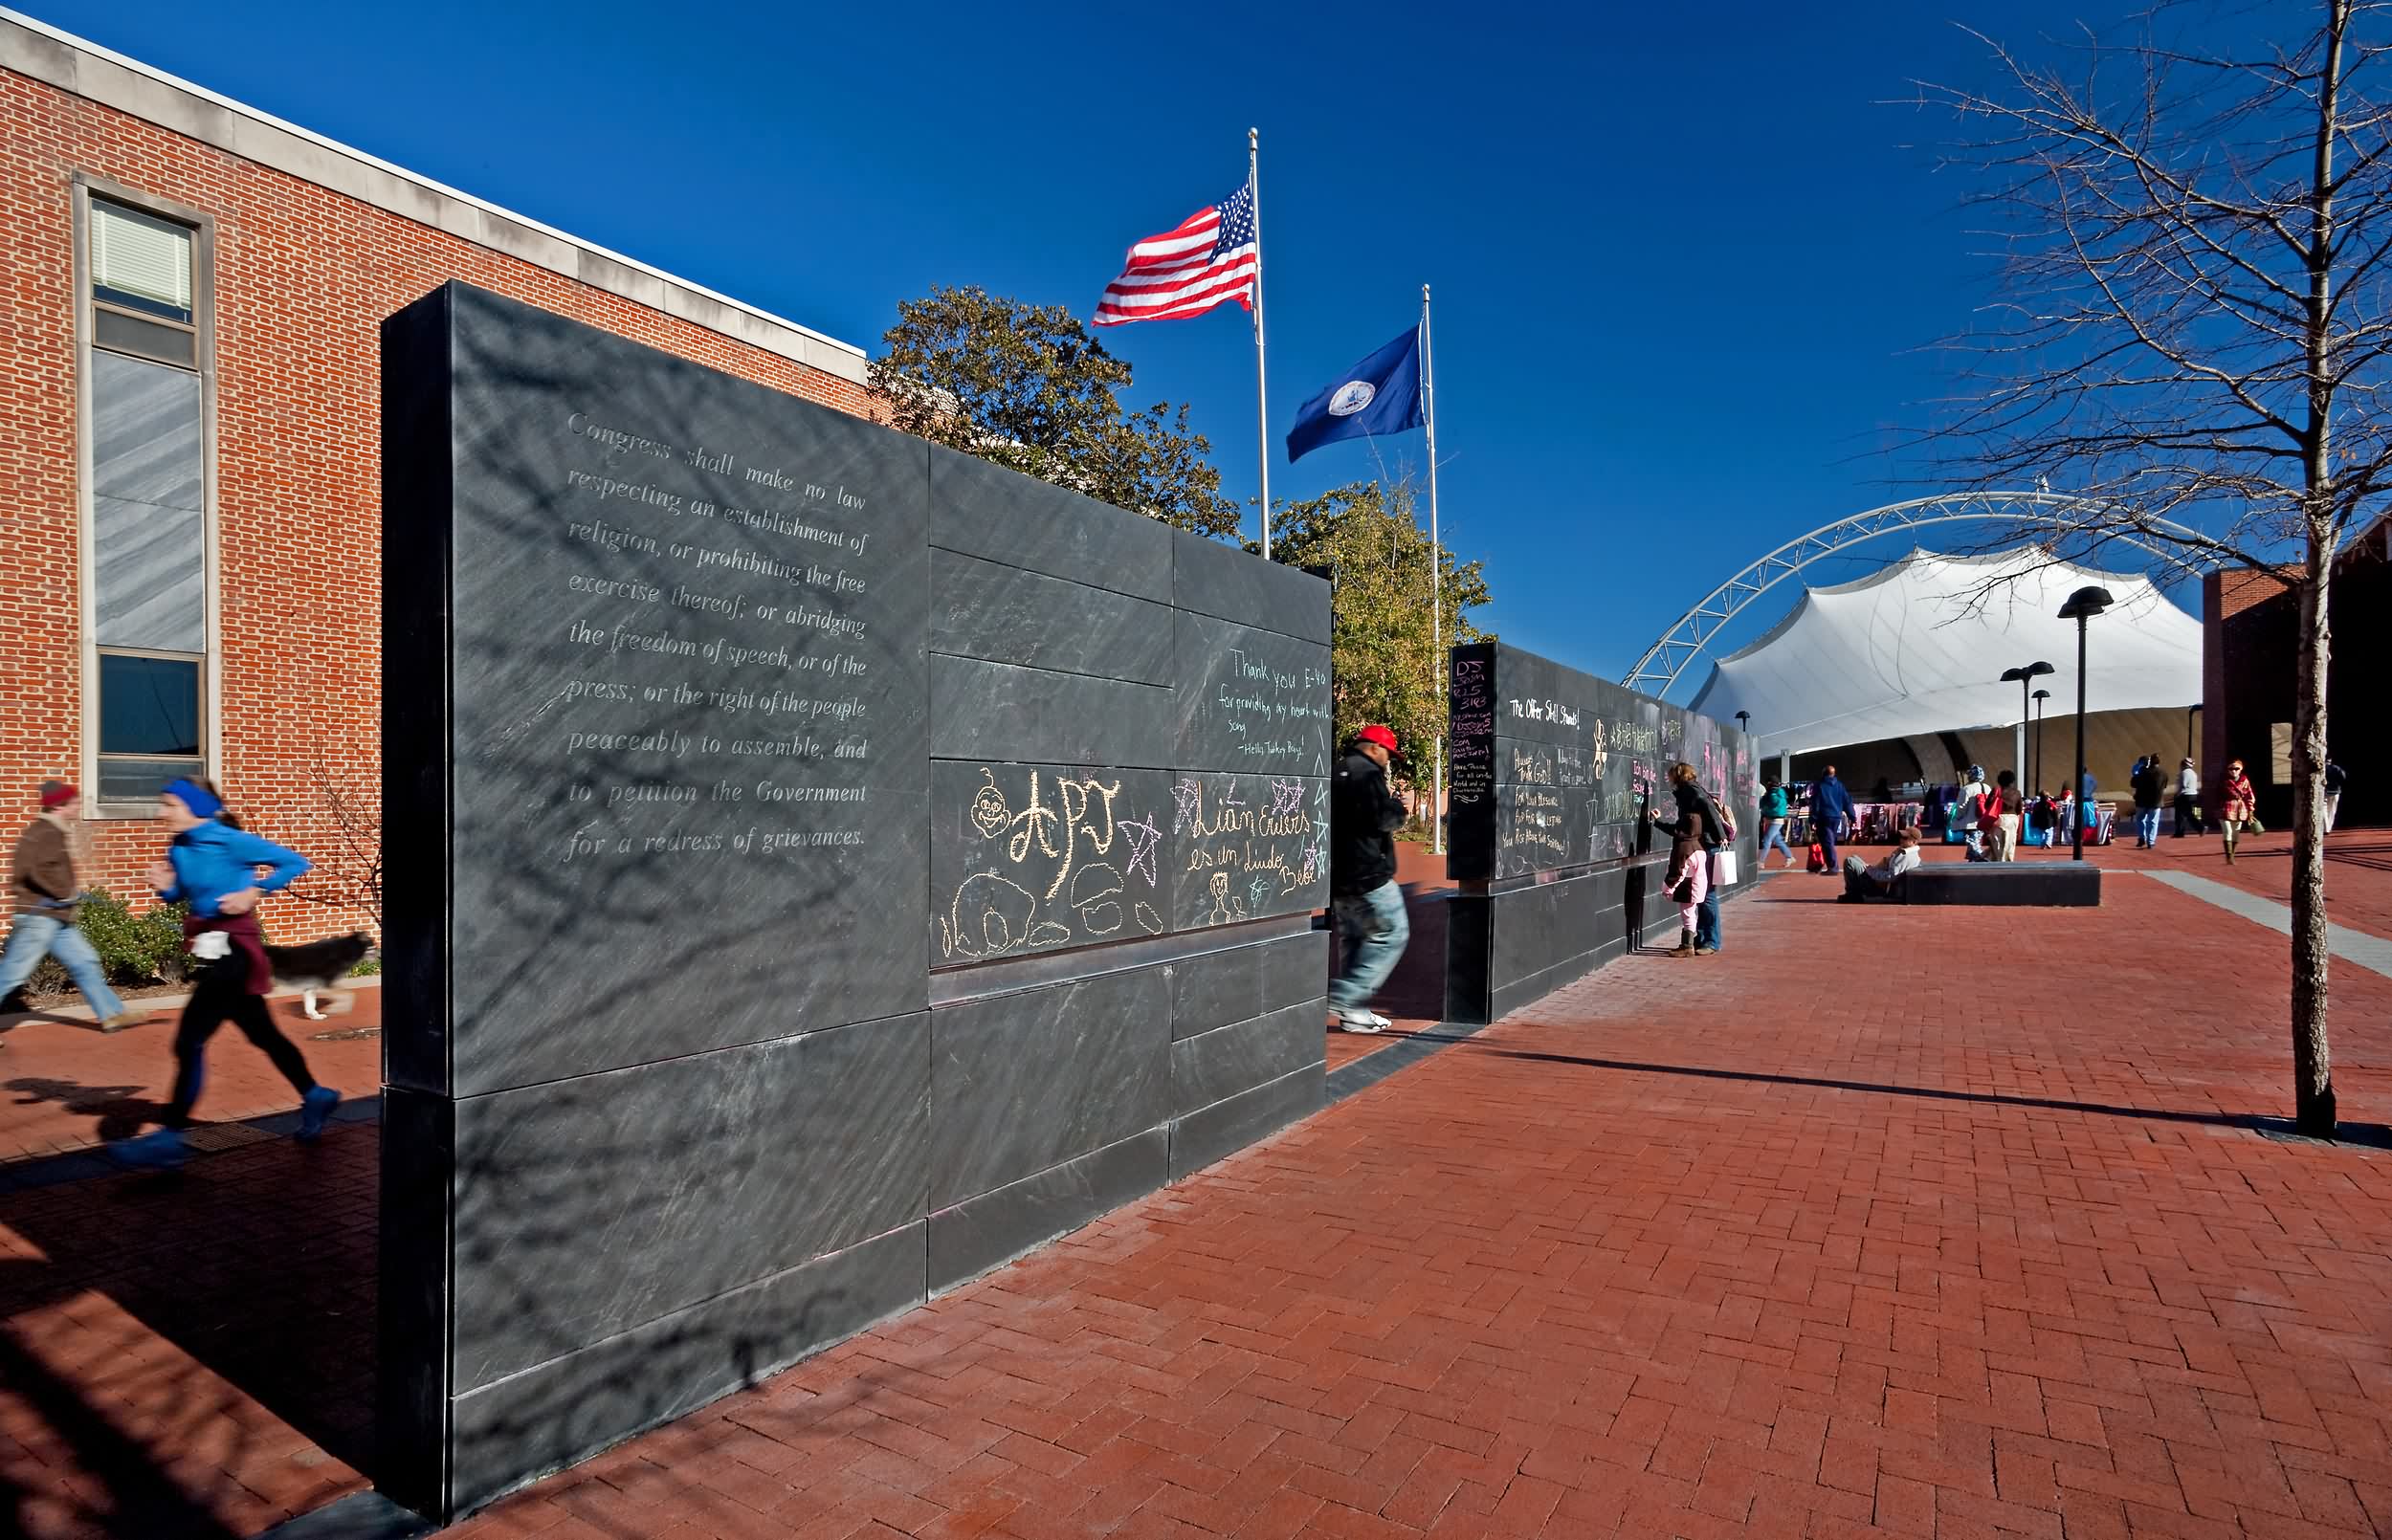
<point>1682,257</point>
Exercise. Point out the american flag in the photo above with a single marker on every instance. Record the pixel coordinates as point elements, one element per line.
<point>1213,258</point>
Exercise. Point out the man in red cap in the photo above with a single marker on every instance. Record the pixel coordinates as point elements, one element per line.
<point>1372,928</point>
<point>48,892</point>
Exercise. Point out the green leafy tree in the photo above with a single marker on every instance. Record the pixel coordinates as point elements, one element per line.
<point>1028,387</point>
<point>1385,662</point>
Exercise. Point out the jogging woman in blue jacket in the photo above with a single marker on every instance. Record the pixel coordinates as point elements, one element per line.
<point>213,866</point>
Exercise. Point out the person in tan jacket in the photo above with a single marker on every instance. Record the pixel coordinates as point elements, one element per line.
<point>48,892</point>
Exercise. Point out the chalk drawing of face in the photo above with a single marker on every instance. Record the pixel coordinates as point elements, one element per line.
<point>989,812</point>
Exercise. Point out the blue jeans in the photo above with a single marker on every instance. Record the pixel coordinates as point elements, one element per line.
<point>36,936</point>
<point>1372,930</point>
<point>1823,831</point>
<point>2147,825</point>
<point>1707,918</point>
<point>1776,840</point>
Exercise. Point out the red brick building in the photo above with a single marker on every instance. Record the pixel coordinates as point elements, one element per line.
<point>2249,647</point>
<point>190,478</point>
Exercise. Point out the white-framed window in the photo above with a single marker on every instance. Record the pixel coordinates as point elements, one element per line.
<point>143,272</point>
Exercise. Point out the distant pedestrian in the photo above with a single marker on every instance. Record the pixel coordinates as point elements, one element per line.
<point>2334,796</point>
<point>1830,812</point>
<point>1774,810</point>
<point>212,865</point>
<point>1998,809</point>
<point>1363,898</point>
<point>1692,838</point>
<point>1971,790</point>
<point>2151,789</point>
<point>1718,832</point>
<point>2237,805</point>
<point>1863,882</point>
<point>46,878</point>
<point>2187,798</point>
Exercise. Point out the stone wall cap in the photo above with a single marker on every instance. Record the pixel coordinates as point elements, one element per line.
<point>39,51</point>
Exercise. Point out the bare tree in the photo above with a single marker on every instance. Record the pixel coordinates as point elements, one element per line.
<point>345,840</point>
<point>2194,316</point>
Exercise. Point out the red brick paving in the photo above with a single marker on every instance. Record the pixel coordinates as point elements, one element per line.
<point>188,1357</point>
<point>64,1086</point>
<point>2358,870</point>
<point>1857,1229</point>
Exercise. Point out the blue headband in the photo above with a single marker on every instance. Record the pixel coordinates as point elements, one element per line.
<point>203,802</point>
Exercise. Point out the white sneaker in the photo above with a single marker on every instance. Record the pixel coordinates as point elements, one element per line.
<point>1359,1020</point>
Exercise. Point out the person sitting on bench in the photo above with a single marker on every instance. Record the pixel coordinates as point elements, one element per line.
<point>1865,882</point>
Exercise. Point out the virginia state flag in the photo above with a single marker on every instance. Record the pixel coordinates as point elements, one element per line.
<point>1378,395</point>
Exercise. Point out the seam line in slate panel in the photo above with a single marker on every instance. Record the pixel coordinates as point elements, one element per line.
<point>683,1058</point>
<point>717,1297</point>
<point>1056,576</point>
<point>1076,674</point>
<point>1047,1171</point>
<point>1067,673</point>
<point>1298,1072</point>
<point>1231,620</point>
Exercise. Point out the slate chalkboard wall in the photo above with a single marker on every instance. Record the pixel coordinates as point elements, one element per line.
<point>1552,771</point>
<point>820,866</point>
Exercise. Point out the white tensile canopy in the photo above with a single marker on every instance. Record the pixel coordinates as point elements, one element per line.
<point>1920,647</point>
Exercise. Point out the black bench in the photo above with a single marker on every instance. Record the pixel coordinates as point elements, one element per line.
<point>2060,884</point>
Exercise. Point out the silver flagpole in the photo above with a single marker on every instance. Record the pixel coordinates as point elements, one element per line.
<point>1262,392</point>
<point>1437,561</point>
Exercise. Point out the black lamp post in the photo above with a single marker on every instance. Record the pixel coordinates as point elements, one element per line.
<point>2024,676</point>
<point>2040,695</point>
<point>2082,606</point>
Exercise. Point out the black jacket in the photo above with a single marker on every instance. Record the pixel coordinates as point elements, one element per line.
<point>1364,816</point>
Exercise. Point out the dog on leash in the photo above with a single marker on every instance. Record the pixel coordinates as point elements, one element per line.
<point>319,965</point>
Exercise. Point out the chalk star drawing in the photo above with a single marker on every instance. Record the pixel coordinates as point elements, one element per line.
<point>1145,838</point>
<point>1286,797</point>
<point>1190,795</point>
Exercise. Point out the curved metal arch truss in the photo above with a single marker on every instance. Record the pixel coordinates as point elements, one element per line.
<point>1666,662</point>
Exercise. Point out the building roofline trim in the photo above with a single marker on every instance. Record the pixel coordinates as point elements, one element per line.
<point>829,354</point>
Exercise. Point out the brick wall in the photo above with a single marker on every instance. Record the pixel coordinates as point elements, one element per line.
<point>2249,647</point>
<point>303,278</point>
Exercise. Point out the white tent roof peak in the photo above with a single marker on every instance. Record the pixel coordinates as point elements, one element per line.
<point>1920,645</point>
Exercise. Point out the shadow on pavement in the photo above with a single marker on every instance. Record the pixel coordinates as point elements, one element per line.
<point>188,1354</point>
<point>121,1110</point>
<point>2368,1135</point>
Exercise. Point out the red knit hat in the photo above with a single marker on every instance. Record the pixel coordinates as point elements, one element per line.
<point>56,794</point>
<point>1383,736</point>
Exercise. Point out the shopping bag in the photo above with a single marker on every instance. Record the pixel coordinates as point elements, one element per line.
<point>1723,870</point>
<point>1818,860</point>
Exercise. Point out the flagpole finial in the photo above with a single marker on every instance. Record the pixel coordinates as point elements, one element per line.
<point>1254,138</point>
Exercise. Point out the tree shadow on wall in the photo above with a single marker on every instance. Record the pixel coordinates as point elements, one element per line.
<point>654,1117</point>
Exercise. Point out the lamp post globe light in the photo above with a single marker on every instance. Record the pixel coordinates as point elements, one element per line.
<point>2082,606</point>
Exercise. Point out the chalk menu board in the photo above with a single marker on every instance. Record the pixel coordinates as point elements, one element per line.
<point>1552,769</point>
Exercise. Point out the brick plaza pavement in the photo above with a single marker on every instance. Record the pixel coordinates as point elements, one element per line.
<point>1862,1228</point>
<point>65,1086</point>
